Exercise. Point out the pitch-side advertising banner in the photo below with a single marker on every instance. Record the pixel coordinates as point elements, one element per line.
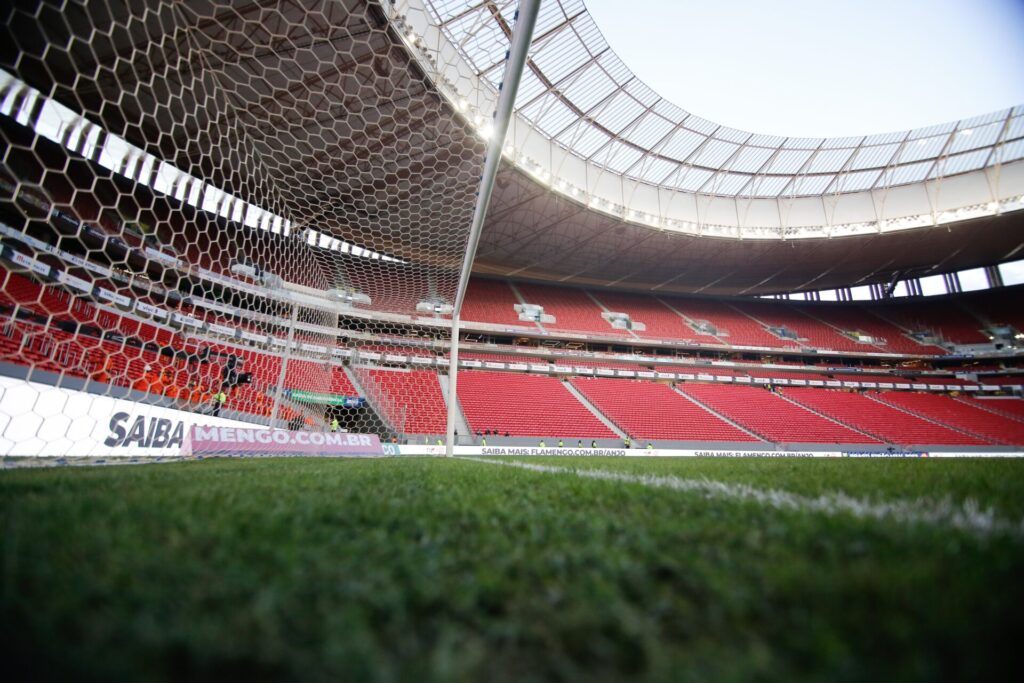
<point>42,420</point>
<point>214,440</point>
<point>390,449</point>
<point>604,452</point>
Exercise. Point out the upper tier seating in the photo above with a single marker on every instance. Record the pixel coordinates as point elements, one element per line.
<point>942,317</point>
<point>573,310</point>
<point>817,334</point>
<point>998,306</point>
<point>648,410</point>
<point>525,405</point>
<point>416,404</point>
<point>772,416</point>
<point>391,287</point>
<point>887,336</point>
<point>1009,407</point>
<point>661,322</point>
<point>879,419</point>
<point>734,328</point>
<point>491,301</point>
<point>994,428</point>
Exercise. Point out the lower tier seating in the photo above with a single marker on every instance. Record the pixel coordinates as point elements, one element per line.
<point>413,402</point>
<point>525,405</point>
<point>647,410</point>
<point>949,411</point>
<point>772,416</point>
<point>879,419</point>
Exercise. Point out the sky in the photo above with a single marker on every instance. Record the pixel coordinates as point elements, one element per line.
<point>807,68</point>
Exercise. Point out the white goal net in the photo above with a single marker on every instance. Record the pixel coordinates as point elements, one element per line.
<point>224,214</point>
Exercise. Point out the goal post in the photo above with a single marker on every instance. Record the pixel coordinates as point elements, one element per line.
<point>515,61</point>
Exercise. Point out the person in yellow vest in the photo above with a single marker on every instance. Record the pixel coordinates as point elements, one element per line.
<point>219,399</point>
<point>335,425</point>
<point>542,444</point>
<point>561,444</point>
<point>593,443</point>
<point>650,446</point>
<point>483,441</point>
<point>627,442</point>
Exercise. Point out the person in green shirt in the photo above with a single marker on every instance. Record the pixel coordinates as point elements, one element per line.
<point>650,446</point>
<point>542,444</point>
<point>335,425</point>
<point>561,444</point>
<point>627,442</point>
<point>593,443</point>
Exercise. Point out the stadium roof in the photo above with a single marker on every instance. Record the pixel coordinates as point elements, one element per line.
<point>628,188</point>
<point>579,94</point>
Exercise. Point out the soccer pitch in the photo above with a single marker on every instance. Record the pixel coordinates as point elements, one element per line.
<point>532,569</point>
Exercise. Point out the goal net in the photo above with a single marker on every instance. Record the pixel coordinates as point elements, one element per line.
<point>228,215</point>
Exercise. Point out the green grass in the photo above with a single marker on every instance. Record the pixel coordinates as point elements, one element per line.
<point>437,570</point>
<point>994,482</point>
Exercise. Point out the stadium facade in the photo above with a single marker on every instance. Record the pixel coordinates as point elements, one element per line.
<point>258,215</point>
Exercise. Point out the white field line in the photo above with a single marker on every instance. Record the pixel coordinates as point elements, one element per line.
<point>967,517</point>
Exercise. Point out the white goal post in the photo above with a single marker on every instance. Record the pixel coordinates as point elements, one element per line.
<point>522,35</point>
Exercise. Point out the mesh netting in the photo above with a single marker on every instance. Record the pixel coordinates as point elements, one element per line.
<point>223,215</point>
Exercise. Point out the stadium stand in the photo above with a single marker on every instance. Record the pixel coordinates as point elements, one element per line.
<point>943,318</point>
<point>491,301</point>
<point>660,321</point>
<point>574,311</point>
<point>884,335</point>
<point>57,350</point>
<point>879,419</point>
<point>416,404</point>
<point>732,326</point>
<point>144,356</point>
<point>1007,407</point>
<point>811,332</point>
<point>984,424</point>
<point>525,405</point>
<point>649,410</point>
<point>998,306</point>
<point>771,416</point>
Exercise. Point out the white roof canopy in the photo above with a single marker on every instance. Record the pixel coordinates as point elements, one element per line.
<point>591,129</point>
